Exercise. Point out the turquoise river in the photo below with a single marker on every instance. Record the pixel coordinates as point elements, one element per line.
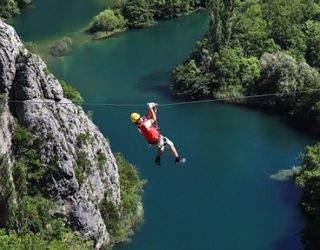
<point>223,198</point>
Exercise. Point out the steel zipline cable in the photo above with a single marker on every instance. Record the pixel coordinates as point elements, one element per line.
<point>165,104</point>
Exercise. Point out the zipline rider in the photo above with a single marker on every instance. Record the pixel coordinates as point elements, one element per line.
<point>147,126</point>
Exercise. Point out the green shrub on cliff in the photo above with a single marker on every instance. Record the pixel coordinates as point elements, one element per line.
<point>7,195</point>
<point>71,93</point>
<point>120,224</point>
<point>27,156</point>
<point>2,103</point>
<point>32,48</point>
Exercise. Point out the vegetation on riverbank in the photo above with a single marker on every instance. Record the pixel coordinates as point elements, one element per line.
<point>242,55</point>
<point>9,8</point>
<point>267,48</point>
<point>132,14</point>
<point>309,181</point>
<point>252,48</point>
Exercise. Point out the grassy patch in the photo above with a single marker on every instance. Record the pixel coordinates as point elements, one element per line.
<point>79,175</point>
<point>71,93</point>
<point>2,103</point>
<point>102,159</point>
<point>83,139</point>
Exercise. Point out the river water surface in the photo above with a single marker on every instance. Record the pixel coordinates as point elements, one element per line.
<point>222,198</point>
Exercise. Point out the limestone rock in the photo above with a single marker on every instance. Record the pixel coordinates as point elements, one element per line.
<point>36,100</point>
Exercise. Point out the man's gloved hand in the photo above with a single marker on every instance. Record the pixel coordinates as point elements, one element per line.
<point>152,105</point>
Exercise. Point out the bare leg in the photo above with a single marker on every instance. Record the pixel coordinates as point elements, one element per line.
<point>173,149</point>
<point>178,159</point>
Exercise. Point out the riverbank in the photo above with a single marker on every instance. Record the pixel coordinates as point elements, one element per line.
<point>269,71</point>
<point>110,24</point>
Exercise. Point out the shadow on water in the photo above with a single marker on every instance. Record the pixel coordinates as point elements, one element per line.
<point>291,195</point>
<point>156,82</point>
<point>290,192</point>
<point>287,243</point>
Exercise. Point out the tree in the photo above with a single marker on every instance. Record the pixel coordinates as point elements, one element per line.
<point>283,75</point>
<point>165,9</point>
<point>313,43</point>
<point>308,179</point>
<point>250,30</point>
<point>234,75</point>
<point>190,82</point>
<point>8,8</point>
<point>107,21</point>
<point>226,67</point>
<point>138,13</point>
<point>220,22</point>
<point>285,19</point>
<point>249,72</point>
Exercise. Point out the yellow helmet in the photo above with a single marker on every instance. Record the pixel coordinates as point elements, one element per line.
<point>134,117</point>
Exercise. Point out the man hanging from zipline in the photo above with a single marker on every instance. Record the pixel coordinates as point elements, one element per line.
<point>148,127</point>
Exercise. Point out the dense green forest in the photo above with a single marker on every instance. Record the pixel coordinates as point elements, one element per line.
<point>140,13</point>
<point>9,8</point>
<point>271,48</point>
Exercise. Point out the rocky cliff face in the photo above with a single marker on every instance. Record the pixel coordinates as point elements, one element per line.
<point>35,99</point>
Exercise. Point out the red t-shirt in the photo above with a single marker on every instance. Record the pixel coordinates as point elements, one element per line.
<point>148,130</point>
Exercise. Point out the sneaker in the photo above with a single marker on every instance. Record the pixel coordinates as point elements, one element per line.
<point>180,160</point>
<point>157,161</point>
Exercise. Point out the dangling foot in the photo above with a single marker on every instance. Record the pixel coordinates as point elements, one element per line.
<point>180,160</point>
<point>157,161</point>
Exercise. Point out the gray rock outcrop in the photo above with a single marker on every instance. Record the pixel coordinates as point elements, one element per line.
<point>35,99</point>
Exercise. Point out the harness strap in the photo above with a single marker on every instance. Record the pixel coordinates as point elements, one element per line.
<point>156,141</point>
